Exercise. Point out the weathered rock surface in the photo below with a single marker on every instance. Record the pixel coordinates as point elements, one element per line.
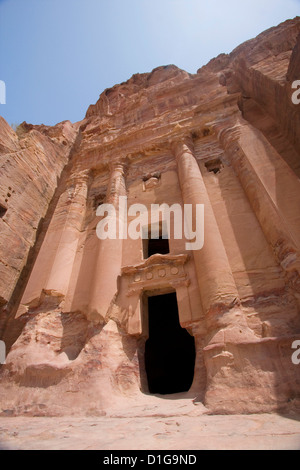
<point>226,137</point>
<point>31,164</point>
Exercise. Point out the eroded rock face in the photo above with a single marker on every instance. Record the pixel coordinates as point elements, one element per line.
<point>226,137</point>
<point>31,164</point>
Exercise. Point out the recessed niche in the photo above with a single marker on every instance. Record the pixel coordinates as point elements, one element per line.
<point>214,166</point>
<point>151,180</point>
<point>98,200</point>
<point>2,211</point>
<point>206,132</point>
<point>159,245</point>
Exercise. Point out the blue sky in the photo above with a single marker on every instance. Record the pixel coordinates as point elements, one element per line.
<point>57,56</point>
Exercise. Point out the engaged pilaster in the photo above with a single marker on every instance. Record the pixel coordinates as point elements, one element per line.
<point>63,262</point>
<point>273,191</point>
<point>215,278</point>
<point>109,254</point>
<point>53,268</point>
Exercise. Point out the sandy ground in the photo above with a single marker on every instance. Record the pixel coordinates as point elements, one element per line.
<point>158,425</point>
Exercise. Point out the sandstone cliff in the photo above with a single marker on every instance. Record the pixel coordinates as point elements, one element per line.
<point>74,308</point>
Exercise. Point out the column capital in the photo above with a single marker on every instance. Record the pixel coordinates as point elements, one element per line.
<point>181,145</point>
<point>79,177</point>
<point>120,165</point>
<point>230,132</point>
<point>116,184</point>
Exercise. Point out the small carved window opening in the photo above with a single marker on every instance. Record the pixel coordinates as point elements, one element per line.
<point>2,211</point>
<point>152,246</point>
<point>99,200</point>
<point>206,132</point>
<point>214,166</point>
<point>198,134</point>
<point>156,175</point>
<point>150,180</point>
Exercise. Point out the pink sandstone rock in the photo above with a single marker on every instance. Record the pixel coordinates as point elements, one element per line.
<point>75,312</point>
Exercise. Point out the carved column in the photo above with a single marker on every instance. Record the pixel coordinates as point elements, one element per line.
<point>109,255</point>
<point>272,189</point>
<point>214,275</point>
<point>75,199</point>
<point>217,287</point>
<point>53,268</point>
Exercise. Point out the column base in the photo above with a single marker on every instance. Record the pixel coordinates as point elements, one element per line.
<point>252,377</point>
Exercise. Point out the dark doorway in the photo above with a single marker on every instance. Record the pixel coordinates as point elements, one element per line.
<point>169,350</point>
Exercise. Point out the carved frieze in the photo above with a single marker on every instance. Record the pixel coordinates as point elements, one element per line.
<point>156,272</point>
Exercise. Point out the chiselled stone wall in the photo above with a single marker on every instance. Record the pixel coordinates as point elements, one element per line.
<point>226,137</point>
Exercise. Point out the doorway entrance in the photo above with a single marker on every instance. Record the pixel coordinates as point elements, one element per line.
<point>169,350</point>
